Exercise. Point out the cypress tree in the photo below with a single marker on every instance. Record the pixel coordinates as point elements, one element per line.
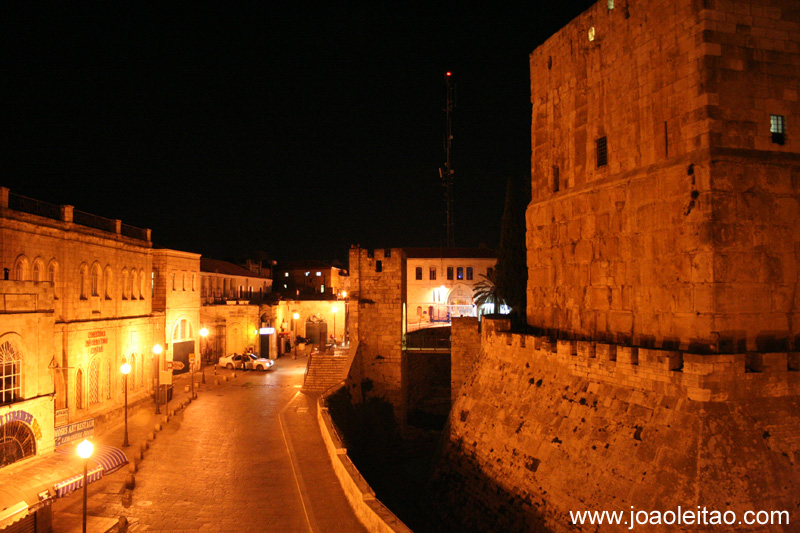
<point>512,270</point>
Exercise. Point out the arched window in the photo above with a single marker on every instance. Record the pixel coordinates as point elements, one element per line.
<point>84,275</point>
<point>79,399</point>
<point>134,283</point>
<point>142,290</point>
<point>94,381</point>
<point>10,373</point>
<point>183,330</point>
<point>108,380</point>
<point>95,280</point>
<point>16,442</point>
<point>21,269</point>
<point>107,290</point>
<point>38,267</point>
<point>124,283</point>
<point>52,276</point>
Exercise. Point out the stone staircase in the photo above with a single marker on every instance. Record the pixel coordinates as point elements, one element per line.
<point>326,369</point>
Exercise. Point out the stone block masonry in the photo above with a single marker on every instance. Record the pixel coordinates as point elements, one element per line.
<point>378,288</point>
<point>685,233</point>
<point>542,428</point>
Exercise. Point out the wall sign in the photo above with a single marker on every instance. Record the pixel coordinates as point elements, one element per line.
<point>71,432</point>
<point>22,416</point>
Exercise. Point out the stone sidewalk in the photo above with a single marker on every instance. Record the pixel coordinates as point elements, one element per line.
<point>216,467</point>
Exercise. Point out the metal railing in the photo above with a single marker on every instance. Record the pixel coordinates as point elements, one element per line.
<point>94,221</point>
<point>34,207</point>
<point>134,233</point>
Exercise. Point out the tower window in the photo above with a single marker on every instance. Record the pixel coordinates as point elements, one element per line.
<point>777,127</point>
<point>556,185</point>
<point>432,273</point>
<point>418,273</point>
<point>460,273</point>
<point>378,266</point>
<point>449,272</point>
<point>601,150</point>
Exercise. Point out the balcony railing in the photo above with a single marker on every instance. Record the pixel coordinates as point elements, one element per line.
<point>93,221</point>
<point>34,207</point>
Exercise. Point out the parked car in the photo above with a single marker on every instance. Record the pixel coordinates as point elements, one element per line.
<point>251,360</point>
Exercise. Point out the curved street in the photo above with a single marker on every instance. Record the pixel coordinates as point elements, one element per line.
<point>247,455</point>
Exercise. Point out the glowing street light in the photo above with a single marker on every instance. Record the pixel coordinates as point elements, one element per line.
<point>85,450</point>
<point>125,369</point>
<point>157,350</point>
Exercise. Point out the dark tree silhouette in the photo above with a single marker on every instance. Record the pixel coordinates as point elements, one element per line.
<point>512,269</point>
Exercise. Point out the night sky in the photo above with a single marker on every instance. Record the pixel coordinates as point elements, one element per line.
<point>230,128</point>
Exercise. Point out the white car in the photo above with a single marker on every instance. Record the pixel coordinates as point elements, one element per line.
<point>251,360</point>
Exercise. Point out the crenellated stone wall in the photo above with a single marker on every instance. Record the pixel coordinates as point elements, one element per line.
<point>377,296</point>
<point>542,428</point>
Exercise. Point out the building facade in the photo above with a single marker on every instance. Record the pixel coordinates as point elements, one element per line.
<point>441,282</point>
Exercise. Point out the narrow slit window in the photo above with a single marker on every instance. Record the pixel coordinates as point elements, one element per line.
<point>777,127</point>
<point>378,266</point>
<point>418,273</point>
<point>601,149</point>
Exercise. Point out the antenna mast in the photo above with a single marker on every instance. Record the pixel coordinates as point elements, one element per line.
<point>447,173</point>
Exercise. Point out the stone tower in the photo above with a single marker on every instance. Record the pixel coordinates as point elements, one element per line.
<point>663,243</point>
<point>665,200</point>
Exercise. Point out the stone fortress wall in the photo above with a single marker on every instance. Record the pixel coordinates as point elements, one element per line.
<point>696,214</point>
<point>663,280</point>
<point>542,428</point>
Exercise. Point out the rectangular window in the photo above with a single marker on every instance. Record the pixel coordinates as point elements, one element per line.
<point>601,150</point>
<point>318,274</point>
<point>418,273</point>
<point>460,273</point>
<point>432,273</point>
<point>378,266</point>
<point>556,184</point>
<point>777,127</point>
<point>469,272</point>
<point>387,252</point>
<point>449,272</point>
<point>322,289</point>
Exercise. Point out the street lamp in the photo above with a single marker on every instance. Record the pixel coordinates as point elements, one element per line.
<point>333,310</point>
<point>85,450</point>
<point>157,350</point>
<point>294,326</point>
<point>125,369</point>
<point>204,334</point>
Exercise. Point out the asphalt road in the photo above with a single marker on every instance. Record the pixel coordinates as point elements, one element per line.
<point>247,455</point>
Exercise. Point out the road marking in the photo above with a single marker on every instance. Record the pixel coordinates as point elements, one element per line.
<point>295,469</point>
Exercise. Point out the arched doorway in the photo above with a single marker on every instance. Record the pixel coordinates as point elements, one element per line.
<point>459,302</point>
<point>16,442</point>
<point>183,343</point>
<point>317,330</point>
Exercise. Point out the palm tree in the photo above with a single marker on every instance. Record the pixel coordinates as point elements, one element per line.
<point>485,291</point>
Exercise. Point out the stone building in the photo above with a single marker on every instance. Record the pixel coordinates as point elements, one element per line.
<point>441,282</point>
<point>663,240</point>
<point>310,278</point>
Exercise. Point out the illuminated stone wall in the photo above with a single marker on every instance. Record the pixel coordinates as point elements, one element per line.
<point>689,235</point>
<point>377,299</point>
<point>542,428</point>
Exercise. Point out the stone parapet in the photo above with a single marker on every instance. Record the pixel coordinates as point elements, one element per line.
<point>715,377</point>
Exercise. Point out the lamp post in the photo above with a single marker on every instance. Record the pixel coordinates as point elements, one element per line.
<point>333,310</point>
<point>204,334</point>
<point>294,326</point>
<point>85,450</point>
<point>157,350</point>
<point>125,369</point>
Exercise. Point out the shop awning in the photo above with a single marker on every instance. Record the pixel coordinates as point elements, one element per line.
<point>32,483</point>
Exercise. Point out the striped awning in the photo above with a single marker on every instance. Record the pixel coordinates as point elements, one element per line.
<point>104,460</point>
<point>75,482</point>
<point>109,457</point>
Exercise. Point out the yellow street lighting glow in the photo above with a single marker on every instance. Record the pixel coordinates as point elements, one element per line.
<point>85,449</point>
<point>203,332</point>
<point>296,316</point>
<point>125,368</point>
<point>157,349</point>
